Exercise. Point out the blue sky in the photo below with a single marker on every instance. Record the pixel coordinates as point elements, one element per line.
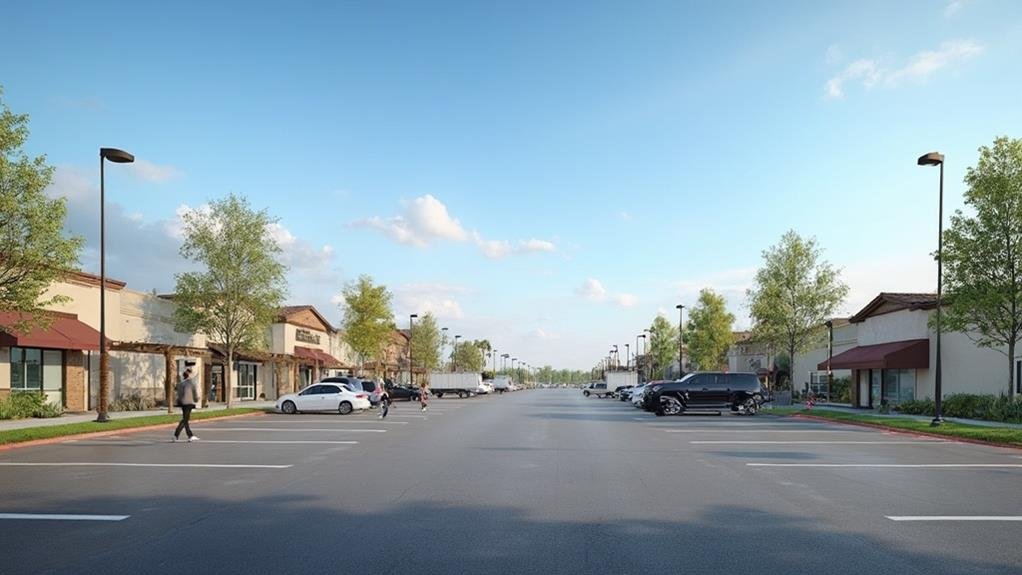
<point>549,176</point>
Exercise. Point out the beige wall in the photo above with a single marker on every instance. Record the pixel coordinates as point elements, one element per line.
<point>845,338</point>
<point>85,304</point>
<point>745,356</point>
<point>5,370</point>
<point>147,318</point>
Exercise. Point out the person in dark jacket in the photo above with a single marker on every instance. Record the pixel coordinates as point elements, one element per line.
<point>187,397</point>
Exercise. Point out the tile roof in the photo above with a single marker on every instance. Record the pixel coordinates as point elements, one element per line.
<point>896,301</point>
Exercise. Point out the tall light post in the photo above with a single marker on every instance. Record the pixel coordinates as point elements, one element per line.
<point>454,354</point>
<point>513,372</point>
<point>411,364</point>
<point>118,157</point>
<point>628,356</point>
<point>830,357</point>
<point>443,344</point>
<point>937,159</point>
<point>617,358</point>
<point>681,340</point>
<point>645,349</point>
<point>493,354</point>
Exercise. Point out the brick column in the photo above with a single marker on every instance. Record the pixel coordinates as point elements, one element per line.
<point>74,381</point>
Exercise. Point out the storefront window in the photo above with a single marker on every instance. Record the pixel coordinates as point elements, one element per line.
<point>29,371</point>
<point>899,385</point>
<point>246,381</point>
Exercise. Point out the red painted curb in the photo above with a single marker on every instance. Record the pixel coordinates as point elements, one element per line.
<point>915,433</point>
<point>63,438</point>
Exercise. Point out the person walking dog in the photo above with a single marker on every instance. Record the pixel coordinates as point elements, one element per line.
<point>187,397</point>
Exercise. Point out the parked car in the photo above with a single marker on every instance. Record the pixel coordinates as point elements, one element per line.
<point>624,392</point>
<point>597,388</point>
<point>323,397</point>
<point>402,392</point>
<point>356,384</point>
<point>714,390</point>
<point>637,392</point>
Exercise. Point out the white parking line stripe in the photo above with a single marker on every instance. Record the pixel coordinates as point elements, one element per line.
<point>63,517</point>
<point>345,422</point>
<point>295,442</point>
<point>895,465</point>
<point>105,464</point>
<point>761,431</point>
<point>725,442</point>
<point>954,517</point>
<point>208,429</point>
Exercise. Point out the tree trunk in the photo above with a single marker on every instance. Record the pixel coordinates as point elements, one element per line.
<point>1011,370</point>
<point>228,377</point>
<point>168,380</point>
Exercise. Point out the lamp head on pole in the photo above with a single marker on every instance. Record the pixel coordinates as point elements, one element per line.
<point>679,306</point>
<point>116,156</point>
<point>931,159</point>
<point>413,316</point>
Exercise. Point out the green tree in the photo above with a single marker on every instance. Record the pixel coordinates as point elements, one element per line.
<point>368,319</point>
<point>663,345</point>
<point>242,284</point>
<point>708,333</point>
<point>794,293</point>
<point>426,343</point>
<point>469,357</point>
<point>983,254</point>
<point>34,252</point>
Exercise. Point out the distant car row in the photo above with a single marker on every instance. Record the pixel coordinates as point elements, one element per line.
<point>741,393</point>
<point>345,394</point>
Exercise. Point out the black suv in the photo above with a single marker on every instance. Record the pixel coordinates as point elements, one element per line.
<point>715,390</point>
<point>397,392</point>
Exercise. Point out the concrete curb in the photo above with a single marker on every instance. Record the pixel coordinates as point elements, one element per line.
<point>63,438</point>
<point>950,438</point>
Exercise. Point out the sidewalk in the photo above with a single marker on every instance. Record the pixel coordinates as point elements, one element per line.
<point>894,414</point>
<point>9,424</point>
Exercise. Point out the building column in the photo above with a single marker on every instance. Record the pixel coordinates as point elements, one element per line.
<point>74,381</point>
<point>168,380</point>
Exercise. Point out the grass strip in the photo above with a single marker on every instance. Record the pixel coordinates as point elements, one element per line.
<point>50,431</point>
<point>994,435</point>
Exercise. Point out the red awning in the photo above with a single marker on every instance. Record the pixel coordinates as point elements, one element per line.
<point>320,357</point>
<point>64,332</point>
<point>909,354</point>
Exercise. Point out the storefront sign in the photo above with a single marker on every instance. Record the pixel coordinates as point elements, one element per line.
<point>306,336</point>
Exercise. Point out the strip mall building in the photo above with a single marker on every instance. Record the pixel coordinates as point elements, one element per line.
<point>62,359</point>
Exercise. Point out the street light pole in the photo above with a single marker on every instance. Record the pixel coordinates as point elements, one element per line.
<point>493,354</point>
<point>443,344</point>
<point>830,357</point>
<point>681,340</point>
<point>454,354</point>
<point>411,364</point>
<point>937,159</point>
<point>118,157</point>
<point>645,349</point>
<point>628,356</point>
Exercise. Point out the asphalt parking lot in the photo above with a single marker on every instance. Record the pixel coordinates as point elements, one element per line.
<point>539,481</point>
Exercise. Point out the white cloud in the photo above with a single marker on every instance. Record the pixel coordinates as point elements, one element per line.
<point>869,73</point>
<point>592,290</point>
<point>421,222</point>
<point>426,219</point>
<point>953,7</point>
<point>439,299</point>
<point>834,54</point>
<point>544,335</point>
<point>150,172</point>
<point>625,216</point>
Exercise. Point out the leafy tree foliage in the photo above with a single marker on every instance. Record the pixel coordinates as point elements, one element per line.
<point>426,343</point>
<point>794,294</point>
<point>368,319</point>
<point>34,252</point>
<point>983,254</point>
<point>241,286</point>
<point>708,333</point>
<point>663,345</point>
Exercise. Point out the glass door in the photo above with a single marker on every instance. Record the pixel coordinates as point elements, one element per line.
<point>246,381</point>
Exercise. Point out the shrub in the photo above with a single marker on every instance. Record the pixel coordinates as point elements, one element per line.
<point>969,406</point>
<point>134,402</point>
<point>22,404</point>
<point>917,407</point>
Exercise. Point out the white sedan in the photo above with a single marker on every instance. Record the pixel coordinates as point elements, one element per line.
<point>323,397</point>
<point>637,392</point>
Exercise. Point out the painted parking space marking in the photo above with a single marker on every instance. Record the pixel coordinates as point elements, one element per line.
<point>897,465</point>
<point>761,431</point>
<point>280,442</point>
<point>61,517</point>
<point>322,422</point>
<point>954,517</point>
<point>102,441</point>
<point>208,429</point>
<point>811,442</point>
<point>118,464</point>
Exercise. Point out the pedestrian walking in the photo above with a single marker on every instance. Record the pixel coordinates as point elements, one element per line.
<point>384,400</point>
<point>187,397</point>
<point>424,397</point>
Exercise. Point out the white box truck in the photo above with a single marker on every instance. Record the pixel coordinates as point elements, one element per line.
<point>462,384</point>
<point>618,379</point>
<point>503,383</point>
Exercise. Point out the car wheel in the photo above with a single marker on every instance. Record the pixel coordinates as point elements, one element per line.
<point>289,408</point>
<point>344,408</point>
<point>750,406</point>
<point>671,406</point>
<point>462,394</point>
<point>585,393</point>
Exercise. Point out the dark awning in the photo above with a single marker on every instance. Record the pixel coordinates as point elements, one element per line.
<point>316,356</point>
<point>64,332</point>
<point>908,354</point>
